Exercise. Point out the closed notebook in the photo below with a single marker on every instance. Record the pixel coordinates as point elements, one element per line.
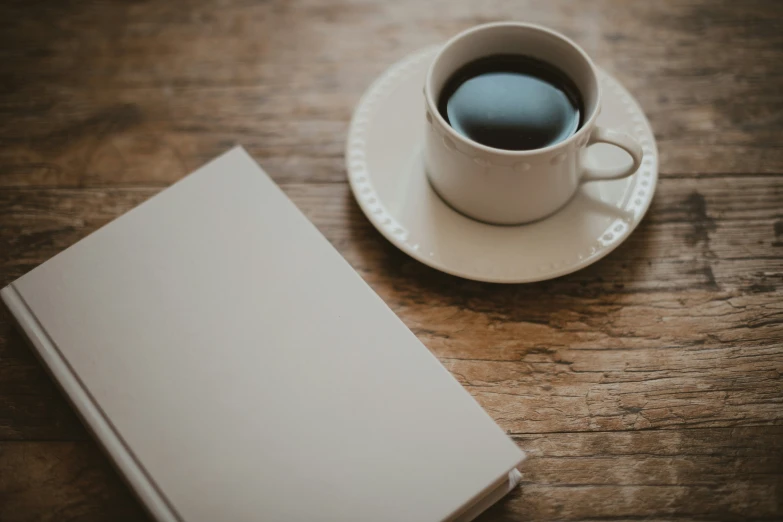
<point>236,368</point>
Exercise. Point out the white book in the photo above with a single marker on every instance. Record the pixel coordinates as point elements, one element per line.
<point>236,368</point>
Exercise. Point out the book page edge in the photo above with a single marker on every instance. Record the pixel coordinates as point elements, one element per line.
<point>490,496</point>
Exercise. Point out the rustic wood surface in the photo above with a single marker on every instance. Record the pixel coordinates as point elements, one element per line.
<point>647,386</point>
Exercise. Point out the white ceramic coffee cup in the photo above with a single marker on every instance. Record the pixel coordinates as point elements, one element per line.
<point>509,187</point>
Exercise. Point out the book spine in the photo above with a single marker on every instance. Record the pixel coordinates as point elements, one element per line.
<point>90,412</point>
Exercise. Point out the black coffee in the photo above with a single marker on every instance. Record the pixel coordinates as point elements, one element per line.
<point>512,102</point>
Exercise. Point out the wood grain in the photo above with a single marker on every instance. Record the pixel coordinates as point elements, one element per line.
<point>727,474</point>
<point>144,92</point>
<point>646,386</point>
<point>583,352</point>
<point>62,481</point>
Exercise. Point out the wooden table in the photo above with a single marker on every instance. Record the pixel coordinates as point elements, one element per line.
<point>647,386</point>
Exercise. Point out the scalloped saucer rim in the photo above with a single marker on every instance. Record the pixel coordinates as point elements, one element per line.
<point>387,179</point>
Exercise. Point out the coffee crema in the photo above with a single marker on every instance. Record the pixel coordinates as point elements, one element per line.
<point>512,102</point>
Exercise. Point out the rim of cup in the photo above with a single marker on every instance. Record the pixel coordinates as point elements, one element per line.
<point>432,104</point>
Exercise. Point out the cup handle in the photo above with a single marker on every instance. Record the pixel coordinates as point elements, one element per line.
<point>618,139</point>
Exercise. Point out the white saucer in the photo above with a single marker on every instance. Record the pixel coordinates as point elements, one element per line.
<point>386,173</point>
